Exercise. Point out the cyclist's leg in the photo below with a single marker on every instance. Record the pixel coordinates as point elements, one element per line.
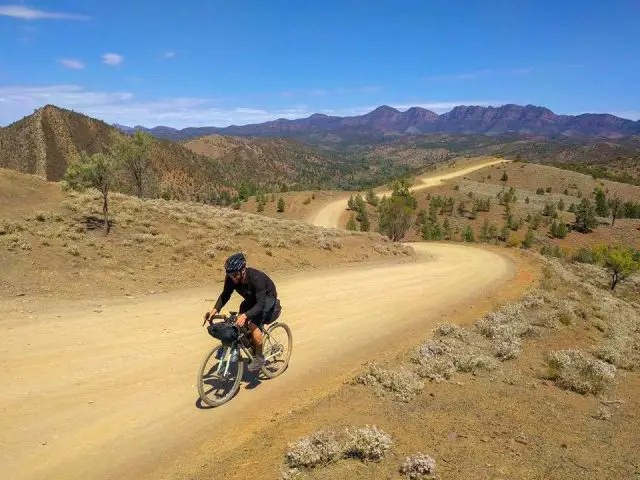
<point>255,325</point>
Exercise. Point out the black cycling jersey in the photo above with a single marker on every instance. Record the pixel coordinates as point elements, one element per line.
<point>257,288</point>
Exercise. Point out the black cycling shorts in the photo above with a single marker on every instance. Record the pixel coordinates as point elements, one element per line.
<point>271,311</point>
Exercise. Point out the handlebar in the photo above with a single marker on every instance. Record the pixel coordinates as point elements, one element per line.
<point>219,316</point>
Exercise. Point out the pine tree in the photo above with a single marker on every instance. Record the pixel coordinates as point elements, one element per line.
<point>351,223</point>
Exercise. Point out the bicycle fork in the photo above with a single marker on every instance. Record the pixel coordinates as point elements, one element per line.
<point>225,360</point>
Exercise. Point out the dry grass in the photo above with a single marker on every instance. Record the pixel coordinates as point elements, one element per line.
<point>319,449</point>
<point>578,371</point>
<point>170,244</point>
<point>418,467</point>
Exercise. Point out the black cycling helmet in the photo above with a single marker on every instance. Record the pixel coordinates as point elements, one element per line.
<point>235,263</point>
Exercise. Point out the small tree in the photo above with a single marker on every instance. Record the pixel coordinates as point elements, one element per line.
<point>484,232</point>
<point>432,231</point>
<point>615,204</point>
<point>561,205</point>
<point>93,171</point>
<point>467,234</point>
<point>280,204</point>
<point>364,223</point>
<point>504,177</point>
<point>260,206</point>
<point>585,216</point>
<point>528,239</point>
<point>133,154</point>
<point>371,198</point>
<point>446,226</point>
<point>549,210</point>
<point>558,230</point>
<point>602,208</point>
<point>396,217</point>
<point>351,204</point>
<point>351,224</point>
<point>504,233</point>
<point>621,263</point>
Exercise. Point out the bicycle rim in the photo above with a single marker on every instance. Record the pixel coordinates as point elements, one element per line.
<point>219,379</point>
<point>277,348</point>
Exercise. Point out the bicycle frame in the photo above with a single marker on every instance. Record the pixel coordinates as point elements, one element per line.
<point>238,346</point>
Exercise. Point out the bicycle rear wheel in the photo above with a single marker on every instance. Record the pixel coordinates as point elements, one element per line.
<point>219,378</point>
<point>277,346</point>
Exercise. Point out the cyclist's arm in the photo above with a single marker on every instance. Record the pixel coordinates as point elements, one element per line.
<point>224,296</point>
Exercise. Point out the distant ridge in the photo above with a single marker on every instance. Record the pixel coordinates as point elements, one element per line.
<point>463,119</point>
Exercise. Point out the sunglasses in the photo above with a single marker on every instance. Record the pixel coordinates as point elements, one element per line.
<point>235,275</point>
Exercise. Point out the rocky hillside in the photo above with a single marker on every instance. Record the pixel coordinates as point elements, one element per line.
<point>269,161</point>
<point>44,143</point>
<point>212,169</point>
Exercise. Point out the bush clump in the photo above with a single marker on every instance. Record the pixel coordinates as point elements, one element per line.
<point>418,467</point>
<point>318,449</point>
<point>368,443</point>
<point>403,383</point>
<point>580,372</point>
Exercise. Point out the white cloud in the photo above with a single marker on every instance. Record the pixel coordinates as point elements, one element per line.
<point>25,13</point>
<point>458,76</point>
<point>72,64</point>
<point>630,114</point>
<point>521,71</point>
<point>112,59</point>
<point>320,92</point>
<point>169,54</point>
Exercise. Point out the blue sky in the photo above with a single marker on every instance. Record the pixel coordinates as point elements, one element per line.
<point>218,63</point>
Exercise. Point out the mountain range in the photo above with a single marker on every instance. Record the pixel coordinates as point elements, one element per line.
<point>389,121</point>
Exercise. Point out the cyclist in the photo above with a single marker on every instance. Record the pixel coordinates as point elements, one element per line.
<point>260,300</point>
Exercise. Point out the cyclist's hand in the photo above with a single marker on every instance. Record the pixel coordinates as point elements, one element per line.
<point>240,321</point>
<point>206,317</point>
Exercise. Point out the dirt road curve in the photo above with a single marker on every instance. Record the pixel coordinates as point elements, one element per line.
<point>108,391</point>
<point>329,216</point>
<point>111,394</point>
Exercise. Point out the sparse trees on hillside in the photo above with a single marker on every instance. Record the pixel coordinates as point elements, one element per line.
<point>371,198</point>
<point>467,234</point>
<point>528,239</point>
<point>446,227</point>
<point>133,155</point>
<point>93,171</point>
<point>351,223</point>
<point>621,263</point>
<point>615,205</point>
<point>585,216</point>
<point>365,225</point>
<point>432,231</point>
<point>602,208</point>
<point>558,229</point>
<point>549,210</point>
<point>396,217</point>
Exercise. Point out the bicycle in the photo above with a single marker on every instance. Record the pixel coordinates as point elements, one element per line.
<point>235,346</point>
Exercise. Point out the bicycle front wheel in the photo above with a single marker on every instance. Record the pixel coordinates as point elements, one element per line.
<point>277,348</point>
<point>219,375</point>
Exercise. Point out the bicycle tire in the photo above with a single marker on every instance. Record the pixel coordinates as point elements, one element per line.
<point>273,327</point>
<point>234,388</point>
